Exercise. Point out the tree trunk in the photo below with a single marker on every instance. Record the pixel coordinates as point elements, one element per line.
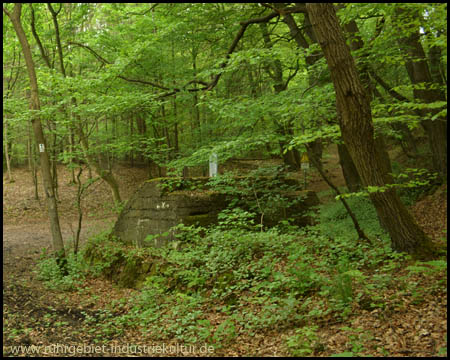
<point>197,123</point>
<point>408,143</point>
<point>58,244</point>
<point>32,164</point>
<point>175,127</point>
<point>358,133</point>
<point>106,175</point>
<point>316,146</point>
<point>131,153</point>
<point>142,130</point>
<point>29,151</point>
<point>5,135</point>
<point>291,157</point>
<point>314,160</point>
<point>351,176</point>
<point>419,74</point>
<point>72,150</point>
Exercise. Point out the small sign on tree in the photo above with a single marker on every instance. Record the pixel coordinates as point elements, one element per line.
<point>213,165</point>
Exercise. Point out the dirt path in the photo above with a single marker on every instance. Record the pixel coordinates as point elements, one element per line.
<point>33,315</point>
<point>30,316</point>
<point>22,244</point>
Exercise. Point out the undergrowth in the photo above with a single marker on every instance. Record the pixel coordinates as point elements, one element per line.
<point>232,280</point>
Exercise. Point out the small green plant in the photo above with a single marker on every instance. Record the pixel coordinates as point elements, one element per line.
<point>357,337</point>
<point>236,218</point>
<point>168,185</point>
<point>304,342</point>
<point>225,333</point>
<point>49,271</point>
<point>442,351</point>
<point>341,289</point>
<point>428,267</point>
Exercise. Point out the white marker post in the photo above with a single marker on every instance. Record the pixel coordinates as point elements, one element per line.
<point>305,165</point>
<point>213,165</point>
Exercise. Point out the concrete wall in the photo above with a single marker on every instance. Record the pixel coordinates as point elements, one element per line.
<point>152,211</point>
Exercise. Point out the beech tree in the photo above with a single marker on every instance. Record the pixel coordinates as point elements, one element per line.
<point>357,130</point>
<point>58,245</point>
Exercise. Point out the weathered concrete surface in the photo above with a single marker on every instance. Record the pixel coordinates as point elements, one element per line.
<point>152,211</point>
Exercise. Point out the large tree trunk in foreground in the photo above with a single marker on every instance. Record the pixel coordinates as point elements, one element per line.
<point>358,133</point>
<point>58,244</point>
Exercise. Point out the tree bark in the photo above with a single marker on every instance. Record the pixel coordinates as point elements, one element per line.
<point>105,175</point>
<point>351,176</point>
<point>420,74</point>
<point>357,130</point>
<point>58,244</point>
<point>291,157</point>
<point>5,137</point>
<point>408,143</point>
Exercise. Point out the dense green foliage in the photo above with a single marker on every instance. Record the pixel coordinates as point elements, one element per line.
<point>133,74</point>
<point>254,281</point>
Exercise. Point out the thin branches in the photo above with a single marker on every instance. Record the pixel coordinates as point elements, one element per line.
<point>207,86</point>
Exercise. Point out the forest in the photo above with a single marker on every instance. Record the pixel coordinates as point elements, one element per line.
<point>225,179</point>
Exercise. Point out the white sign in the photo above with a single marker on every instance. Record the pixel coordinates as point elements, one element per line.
<point>305,165</point>
<point>213,165</point>
<point>41,148</point>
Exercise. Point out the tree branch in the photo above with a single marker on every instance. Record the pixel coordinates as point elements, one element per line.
<point>299,8</point>
<point>103,60</point>
<point>38,40</point>
<point>386,87</point>
<point>145,12</point>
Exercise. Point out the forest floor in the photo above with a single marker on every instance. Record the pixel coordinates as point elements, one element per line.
<point>51,319</point>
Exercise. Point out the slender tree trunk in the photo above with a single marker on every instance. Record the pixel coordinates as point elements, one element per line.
<point>175,126</point>
<point>32,163</point>
<point>315,147</point>
<point>196,110</point>
<point>53,162</point>
<point>407,142</point>
<point>291,157</point>
<point>72,150</point>
<point>35,178</point>
<point>419,74</point>
<point>358,133</point>
<point>166,131</point>
<point>58,244</point>
<point>131,153</point>
<point>314,160</point>
<point>29,152</point>
<point>5,136</point>
<point>106,175</point>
